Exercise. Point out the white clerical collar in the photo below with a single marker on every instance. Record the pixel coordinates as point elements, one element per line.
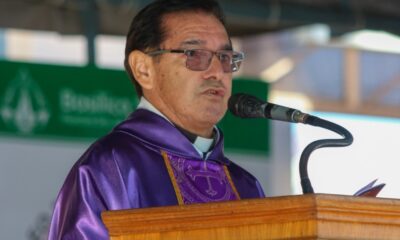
<point>202,145</point>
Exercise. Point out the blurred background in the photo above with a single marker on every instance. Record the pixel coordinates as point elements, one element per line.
<point>62,85</point>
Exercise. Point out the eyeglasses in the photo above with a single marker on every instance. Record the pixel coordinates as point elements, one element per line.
<point>200,59</point>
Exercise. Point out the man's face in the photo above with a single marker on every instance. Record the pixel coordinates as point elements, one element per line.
<point>194,100</point>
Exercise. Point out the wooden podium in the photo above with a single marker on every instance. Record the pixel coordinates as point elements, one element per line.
<point>314,216</point>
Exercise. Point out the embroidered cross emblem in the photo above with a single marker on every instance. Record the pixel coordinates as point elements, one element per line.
<point>193,174</point>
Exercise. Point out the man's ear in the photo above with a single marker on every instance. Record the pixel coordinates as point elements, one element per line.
<point>142,68</point>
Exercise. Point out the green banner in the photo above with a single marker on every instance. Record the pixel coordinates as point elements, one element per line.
<point>61,101</point>
<point>38,100</point>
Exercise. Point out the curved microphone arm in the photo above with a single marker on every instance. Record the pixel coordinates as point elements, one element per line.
<point>346,141</point>
<point>247,106</point>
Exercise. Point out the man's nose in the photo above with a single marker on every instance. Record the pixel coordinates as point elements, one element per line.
<point>215,69</point>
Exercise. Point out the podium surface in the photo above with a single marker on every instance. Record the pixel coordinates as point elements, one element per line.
<point>312,216</point>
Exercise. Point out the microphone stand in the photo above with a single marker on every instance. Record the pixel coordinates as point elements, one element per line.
<point>318,122</point>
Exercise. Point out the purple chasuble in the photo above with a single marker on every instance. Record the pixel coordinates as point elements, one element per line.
<point>126,169</point>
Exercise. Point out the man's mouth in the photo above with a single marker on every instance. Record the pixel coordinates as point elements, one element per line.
<point>215,92</point>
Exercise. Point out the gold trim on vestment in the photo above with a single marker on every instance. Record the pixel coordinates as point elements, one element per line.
<point>172,177</point>
<point>228,175</point>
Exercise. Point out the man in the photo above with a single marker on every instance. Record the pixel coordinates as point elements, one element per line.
<point>168,151</point>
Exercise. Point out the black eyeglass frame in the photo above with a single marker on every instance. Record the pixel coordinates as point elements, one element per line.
<point>237,57</point>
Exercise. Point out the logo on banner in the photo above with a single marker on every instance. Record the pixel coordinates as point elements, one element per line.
<point>23,107</point>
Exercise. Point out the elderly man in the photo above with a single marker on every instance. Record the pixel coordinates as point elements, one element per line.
<point>169,151</point>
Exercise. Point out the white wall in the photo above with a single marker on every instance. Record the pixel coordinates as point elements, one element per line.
<point>31,173</point>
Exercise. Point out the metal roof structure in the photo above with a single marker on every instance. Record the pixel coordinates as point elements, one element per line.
<point>244,17</point>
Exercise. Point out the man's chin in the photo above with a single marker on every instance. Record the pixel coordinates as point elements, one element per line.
<point>213,118</point>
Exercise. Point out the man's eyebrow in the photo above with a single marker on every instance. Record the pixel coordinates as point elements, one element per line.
<point>193,42</point>
<point>197,42</point>
<point>227,46</point>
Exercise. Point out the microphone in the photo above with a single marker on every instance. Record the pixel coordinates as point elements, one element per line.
<point>247,106</point>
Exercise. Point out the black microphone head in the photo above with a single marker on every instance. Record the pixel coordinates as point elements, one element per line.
<point>246,106</point>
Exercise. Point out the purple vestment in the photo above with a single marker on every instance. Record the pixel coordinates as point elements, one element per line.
<point>144,162</point>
